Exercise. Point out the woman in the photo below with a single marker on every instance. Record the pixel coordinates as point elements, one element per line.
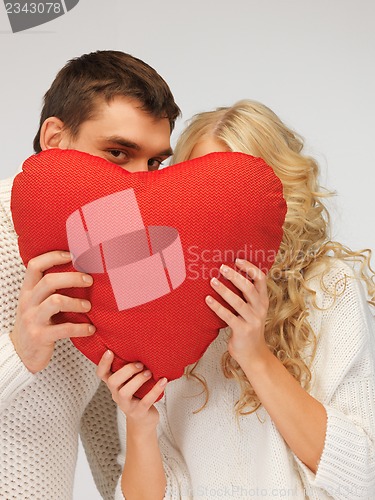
<point>282,404</point>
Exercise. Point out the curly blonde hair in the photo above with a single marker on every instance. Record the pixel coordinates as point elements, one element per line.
<point>252,128</point>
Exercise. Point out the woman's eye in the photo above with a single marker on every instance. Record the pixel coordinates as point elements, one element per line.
<point>154,163</point>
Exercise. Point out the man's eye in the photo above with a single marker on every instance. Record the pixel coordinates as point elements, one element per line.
<point>154,163</point>
<point>116,153</point>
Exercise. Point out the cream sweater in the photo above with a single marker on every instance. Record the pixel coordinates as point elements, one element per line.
<point>41,415</point>
<point>209,455</point>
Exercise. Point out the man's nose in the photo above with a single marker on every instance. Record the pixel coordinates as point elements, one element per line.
<point>137,166</point>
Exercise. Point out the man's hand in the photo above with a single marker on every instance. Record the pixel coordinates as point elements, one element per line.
<point>34,333</point>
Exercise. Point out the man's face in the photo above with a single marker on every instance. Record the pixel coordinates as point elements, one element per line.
<point>122,133</point>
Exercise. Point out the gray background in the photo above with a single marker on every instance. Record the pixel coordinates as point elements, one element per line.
<point>312,62</point>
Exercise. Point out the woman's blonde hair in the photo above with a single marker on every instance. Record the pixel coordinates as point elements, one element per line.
<point>252,128</point>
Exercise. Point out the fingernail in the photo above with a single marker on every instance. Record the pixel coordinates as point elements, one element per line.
<point>85,304</point>
<point>224,269</point>
<point>87,279</point>
<point>92,329</point>
<point>107,354</point>
<point>209,299</point>
<point>239,261</point>
<point>66,255</point>
<point>163,382</point>
<point>215,282</point>
<point>147,373</point>
<point>139,366</point>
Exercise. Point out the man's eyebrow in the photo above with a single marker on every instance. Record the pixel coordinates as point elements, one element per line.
<point>133,145</point>
<point>167,152</point>
<point>122,142</point>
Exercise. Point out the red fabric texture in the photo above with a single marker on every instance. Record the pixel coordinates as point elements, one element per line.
<point>208,211</point>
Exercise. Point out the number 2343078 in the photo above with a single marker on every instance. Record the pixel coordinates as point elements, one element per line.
<point>33,8</point>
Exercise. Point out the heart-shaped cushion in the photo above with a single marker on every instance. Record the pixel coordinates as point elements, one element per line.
<point>151,241</point>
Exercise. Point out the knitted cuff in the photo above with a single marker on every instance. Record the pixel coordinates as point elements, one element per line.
<point>118,493</point>
<point>344,467</point>
<point>14,375</point>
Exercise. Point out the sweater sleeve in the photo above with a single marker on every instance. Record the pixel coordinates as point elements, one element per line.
<point>346,387</point>
<point>14,376</point>
<point>176,472</point>
<point>100,439</point>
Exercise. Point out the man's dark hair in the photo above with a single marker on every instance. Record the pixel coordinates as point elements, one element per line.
<point>104,74</point>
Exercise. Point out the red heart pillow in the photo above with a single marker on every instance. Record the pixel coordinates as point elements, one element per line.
<point>151,241</point>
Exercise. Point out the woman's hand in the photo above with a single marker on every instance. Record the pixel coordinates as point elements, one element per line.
<point>143,475</point>
<point>300,419</point>
<point>247,343</point>
<point>140,413</point>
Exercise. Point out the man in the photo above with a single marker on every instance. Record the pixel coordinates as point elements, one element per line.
<point>112,105</point>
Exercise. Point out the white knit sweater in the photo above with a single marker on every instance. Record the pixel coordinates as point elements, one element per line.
<point>209,455</point>
<point>41,415</point>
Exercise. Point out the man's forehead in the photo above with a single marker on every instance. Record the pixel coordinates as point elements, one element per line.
<point>120,105</point>
<point>122,123</point>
